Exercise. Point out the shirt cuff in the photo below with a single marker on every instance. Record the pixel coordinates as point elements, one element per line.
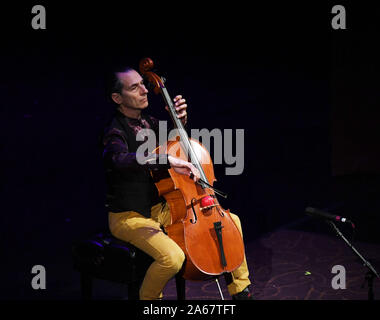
<point>158,161</point>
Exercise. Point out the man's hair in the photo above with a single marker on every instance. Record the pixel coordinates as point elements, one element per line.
<point>113,83</point>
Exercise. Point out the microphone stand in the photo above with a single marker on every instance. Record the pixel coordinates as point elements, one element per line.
<point>370,275</point>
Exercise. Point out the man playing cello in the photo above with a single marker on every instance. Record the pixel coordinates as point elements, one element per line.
<point>136,212</point>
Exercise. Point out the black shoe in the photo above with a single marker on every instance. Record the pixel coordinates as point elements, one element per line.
<point>243,295</point>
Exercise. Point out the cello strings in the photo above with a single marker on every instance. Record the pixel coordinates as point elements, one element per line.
<point>185,142</point>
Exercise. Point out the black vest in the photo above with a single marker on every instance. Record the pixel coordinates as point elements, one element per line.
<point>132,189</point>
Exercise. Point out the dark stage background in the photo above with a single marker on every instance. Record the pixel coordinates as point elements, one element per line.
<point>306,95</point>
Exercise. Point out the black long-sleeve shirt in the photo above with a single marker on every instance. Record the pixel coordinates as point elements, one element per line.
<point>116,147</point>
<point>130,185</point>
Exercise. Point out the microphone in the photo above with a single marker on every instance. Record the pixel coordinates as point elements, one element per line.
<point>323,214</point>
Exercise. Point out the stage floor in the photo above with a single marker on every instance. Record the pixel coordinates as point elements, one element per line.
<point>298,265</point>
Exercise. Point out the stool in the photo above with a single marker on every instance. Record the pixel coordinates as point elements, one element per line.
<point>105,257</point>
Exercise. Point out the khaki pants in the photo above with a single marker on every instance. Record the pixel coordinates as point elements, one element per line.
<point>146,234</point>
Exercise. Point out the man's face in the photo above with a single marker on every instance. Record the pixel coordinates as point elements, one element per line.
<point>134,95</point>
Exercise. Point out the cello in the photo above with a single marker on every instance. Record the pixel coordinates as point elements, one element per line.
<point>205,231</point>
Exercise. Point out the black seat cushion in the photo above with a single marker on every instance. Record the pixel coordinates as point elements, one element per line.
<point>105,257</point>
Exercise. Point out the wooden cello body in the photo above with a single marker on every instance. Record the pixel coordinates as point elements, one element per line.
<point>205,231</point>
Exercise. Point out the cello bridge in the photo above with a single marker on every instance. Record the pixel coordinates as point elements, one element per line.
<point>208,207</point>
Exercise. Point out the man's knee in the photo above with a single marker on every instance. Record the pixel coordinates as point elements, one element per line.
<point>237,222</point>
<point>174,260</point>
<point>235,219</point>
